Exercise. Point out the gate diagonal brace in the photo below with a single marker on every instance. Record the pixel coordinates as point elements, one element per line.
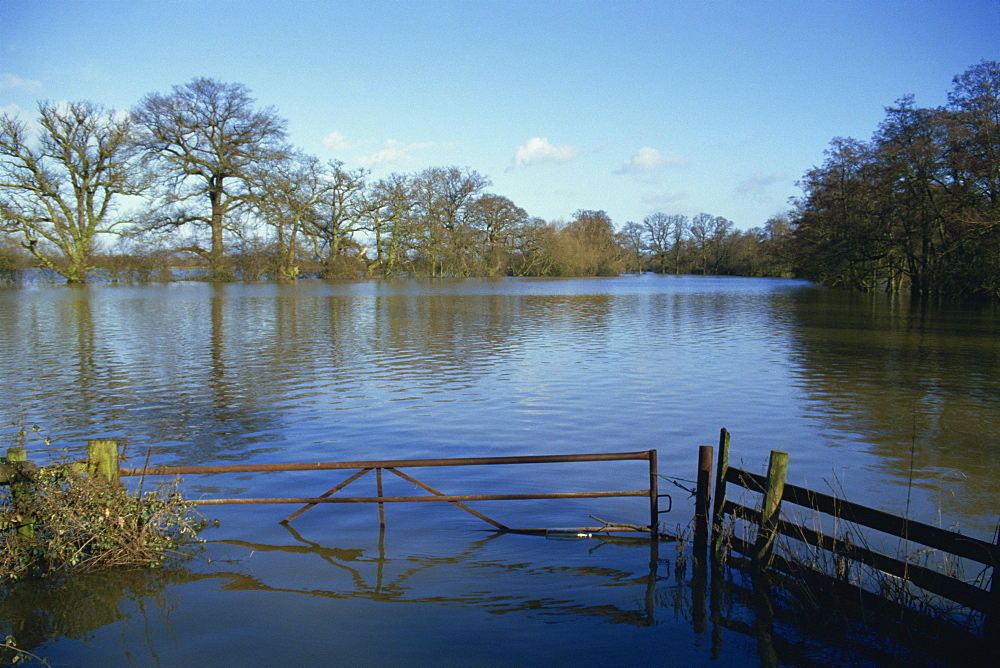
<point>363,467</point>
<point>457,504</point>
<point>406,477</point>
<point>326,494</point>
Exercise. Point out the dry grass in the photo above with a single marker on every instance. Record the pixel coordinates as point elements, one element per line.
<point>836,593</point>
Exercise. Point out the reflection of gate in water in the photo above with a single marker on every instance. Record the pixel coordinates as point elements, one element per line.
<point>502,585</point>
<point>458,500</point>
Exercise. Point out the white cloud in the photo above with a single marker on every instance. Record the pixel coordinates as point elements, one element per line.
<point>538,149</point>
<point>396,152</point>
<point>756,186</point>
<point>649,159</point>
<point>8,80</point>
<point>663,201</point>
<point>24,116</point>
<point>336,142</point>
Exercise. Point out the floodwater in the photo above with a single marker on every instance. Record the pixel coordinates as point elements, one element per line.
<point>888,404</point>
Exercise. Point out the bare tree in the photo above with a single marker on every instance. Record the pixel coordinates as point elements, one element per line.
<point>287,195</point>
<point>974,102</point>
<point>340,212</point>
<point>495,218</point>
<point>722,231</point>
<point>532,250</point>
<point>679,233</point>
<point>389,208</point>
<point>701,232</point>
<point>207,135</point>
<point>658,226</point>
<point>63,190</point>
<point>443,194</point>
<point>633,237</point>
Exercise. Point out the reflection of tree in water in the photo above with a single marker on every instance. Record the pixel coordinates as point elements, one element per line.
<point>36,615</point>
<point>133,363</point>
<point>454,339</point>
<point>214,412</point>
<point>917,383</point>
<point>64,353</point>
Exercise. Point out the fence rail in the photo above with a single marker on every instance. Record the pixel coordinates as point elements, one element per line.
<point>769,524</point>
<point>918,532</point>
<point>103,460</point>
<point>393,465</point>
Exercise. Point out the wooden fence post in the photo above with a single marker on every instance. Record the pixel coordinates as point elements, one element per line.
<point>103,456</point>
<point>15,455</point>
<point>722,468</point>
<point>654,499</point>
<point>991,624</point>
<point>703,498</point>
<point>763,550</point>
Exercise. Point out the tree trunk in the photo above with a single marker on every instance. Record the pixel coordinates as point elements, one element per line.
<point>215,254</point>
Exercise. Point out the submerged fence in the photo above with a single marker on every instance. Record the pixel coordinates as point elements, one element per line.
<point>458,500</point>
<point>983,598</point>
<point>103,460</point>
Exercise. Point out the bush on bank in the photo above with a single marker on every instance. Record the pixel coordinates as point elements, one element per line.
<point>56,521</point>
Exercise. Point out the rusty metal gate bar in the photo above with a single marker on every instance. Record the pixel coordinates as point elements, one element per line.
<point>455,503</point>
<point>392,465</point>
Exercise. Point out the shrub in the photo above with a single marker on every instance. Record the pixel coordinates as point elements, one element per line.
<point>56,521</point>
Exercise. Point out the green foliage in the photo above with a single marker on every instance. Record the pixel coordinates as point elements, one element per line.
<point>14,655</point>
<point>56,521</point>
<point>917,207</point>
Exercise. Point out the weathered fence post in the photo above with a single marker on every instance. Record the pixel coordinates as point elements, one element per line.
<point>702,511</point>
<point>19,457</point>
<point>991,624</point>
<point>703,498</point>
<point>10,470</point>
<point>654,499</point>
<point>722,468</point>
<point>763,550</point>
<point>103,459</point>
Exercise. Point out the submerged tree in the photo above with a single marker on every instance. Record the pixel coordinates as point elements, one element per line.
<point>389,216</point>
<point>339,213</point>
<point>444,195</point>
<point>917,207</point>
<point>588,246</point>
<point>287,193</point>
<point>633,240</point>
<point>974,157</point>
<point>494,219</point>
<point>63,188</point>
<point>657,228</point>
<point>207,135</point>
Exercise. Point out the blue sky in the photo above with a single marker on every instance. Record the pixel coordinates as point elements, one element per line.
<point>631,107</point>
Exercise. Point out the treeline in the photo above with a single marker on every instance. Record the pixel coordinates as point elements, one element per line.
<point>203,181</point>
<point>707,244</point>
<point>915,208</point>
